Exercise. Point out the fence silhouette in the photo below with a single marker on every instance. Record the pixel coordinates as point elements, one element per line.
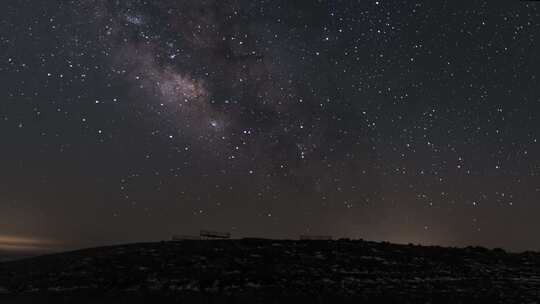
<point>209,234</point>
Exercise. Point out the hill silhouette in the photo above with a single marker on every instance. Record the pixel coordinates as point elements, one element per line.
<point>273,271</point>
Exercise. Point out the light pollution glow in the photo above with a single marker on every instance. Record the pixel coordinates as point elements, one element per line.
<point>16,243</point>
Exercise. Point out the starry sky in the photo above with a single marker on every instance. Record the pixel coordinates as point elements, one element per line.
<point>125,121</point>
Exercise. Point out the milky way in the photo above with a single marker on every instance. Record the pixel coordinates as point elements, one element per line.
<point>408,122</point>
<point>208,69</point>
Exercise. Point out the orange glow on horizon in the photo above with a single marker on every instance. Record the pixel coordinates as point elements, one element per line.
<point>16,243</point>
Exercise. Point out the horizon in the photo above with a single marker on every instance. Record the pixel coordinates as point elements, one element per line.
<point>12,250</point>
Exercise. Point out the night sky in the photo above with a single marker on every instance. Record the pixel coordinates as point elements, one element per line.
<point>124,121</point>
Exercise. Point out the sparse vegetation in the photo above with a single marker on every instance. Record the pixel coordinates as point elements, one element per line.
<point>273,271</point>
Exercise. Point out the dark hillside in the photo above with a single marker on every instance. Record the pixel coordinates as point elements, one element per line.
<point>273,271</point>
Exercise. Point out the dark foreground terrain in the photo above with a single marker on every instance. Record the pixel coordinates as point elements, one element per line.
<point>271,271</point>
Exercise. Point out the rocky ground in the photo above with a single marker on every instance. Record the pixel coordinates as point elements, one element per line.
<point>273,271</point>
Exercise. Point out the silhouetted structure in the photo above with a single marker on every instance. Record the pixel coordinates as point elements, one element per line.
<point>185,237</point>
<point>208,234</point>
<point>316,237</point>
